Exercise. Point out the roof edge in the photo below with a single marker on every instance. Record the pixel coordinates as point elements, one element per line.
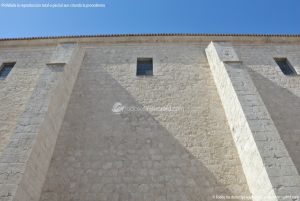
<point>159,34</point>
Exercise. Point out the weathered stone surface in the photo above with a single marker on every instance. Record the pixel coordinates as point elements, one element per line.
<point>144,155</point>
<point>256,137</point>
<point>62,54</point>
<point>17,88</point>
<point>280,93</point>
<point>25,160</point>
<point>187,153</point>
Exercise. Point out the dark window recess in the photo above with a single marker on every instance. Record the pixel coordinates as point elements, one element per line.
<point>285,66</point>
<point>144,66</point>
<point>5,70</point>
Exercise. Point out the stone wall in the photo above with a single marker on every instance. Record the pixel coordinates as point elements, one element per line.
<point>187,154</point>
<point>280,93</point>
<point>16,89</point>
<point>179,148</point>
<point>25,160</point>
<point>269,170</point>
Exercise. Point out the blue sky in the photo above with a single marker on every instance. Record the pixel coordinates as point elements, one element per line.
<point>152,16</point>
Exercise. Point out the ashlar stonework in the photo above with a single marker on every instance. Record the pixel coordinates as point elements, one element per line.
<point>217,120</point>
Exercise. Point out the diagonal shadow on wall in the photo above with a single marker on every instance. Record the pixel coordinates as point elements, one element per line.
<point>284,108</point>
<point>101,155</point>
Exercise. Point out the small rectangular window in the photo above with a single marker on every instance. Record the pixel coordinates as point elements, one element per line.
<point>285,66</point>
<point>5,69</point>
<point>144,66</point>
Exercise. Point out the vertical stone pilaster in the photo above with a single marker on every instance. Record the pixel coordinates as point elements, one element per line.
<point>269,170</point>
<point>25,160</point>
